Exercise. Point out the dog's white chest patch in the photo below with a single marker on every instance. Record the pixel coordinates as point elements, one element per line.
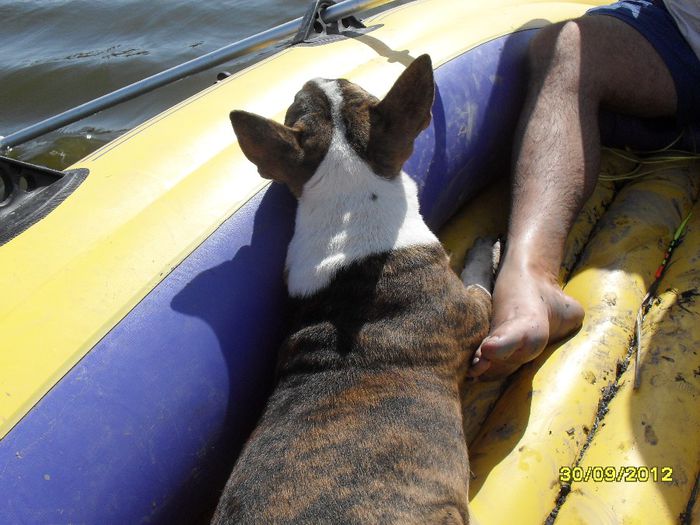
<point>346,213</point>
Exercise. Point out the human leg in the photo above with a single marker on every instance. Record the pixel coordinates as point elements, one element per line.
<point>576,67</point>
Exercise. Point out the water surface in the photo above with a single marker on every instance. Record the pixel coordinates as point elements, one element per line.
<point>57,54</point>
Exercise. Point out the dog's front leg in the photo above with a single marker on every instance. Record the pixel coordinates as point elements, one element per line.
<point>481,263</point>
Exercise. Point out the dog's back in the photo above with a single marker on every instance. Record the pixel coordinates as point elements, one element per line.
<point>364,425</point>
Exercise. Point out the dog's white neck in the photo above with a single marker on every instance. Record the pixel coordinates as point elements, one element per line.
<point>347,213</point>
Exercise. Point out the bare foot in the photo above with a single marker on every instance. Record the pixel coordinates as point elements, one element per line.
<point>529,311</point>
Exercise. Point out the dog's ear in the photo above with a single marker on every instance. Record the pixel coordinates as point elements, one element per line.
<point>273,147</point>
<point>396,121</point>
<point>406,108</point>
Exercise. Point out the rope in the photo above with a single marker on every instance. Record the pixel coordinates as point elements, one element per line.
<point>648,158</point>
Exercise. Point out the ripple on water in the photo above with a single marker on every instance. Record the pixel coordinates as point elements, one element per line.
<point>59,54</point>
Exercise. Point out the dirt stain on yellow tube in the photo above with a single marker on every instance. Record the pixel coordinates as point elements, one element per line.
<point>642,464</point>
<point>551,404</point>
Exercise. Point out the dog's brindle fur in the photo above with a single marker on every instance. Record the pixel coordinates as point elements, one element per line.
<point>364,424</point>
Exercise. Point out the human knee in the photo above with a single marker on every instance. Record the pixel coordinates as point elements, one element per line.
<point>541,49</point>
<point>557,45</point>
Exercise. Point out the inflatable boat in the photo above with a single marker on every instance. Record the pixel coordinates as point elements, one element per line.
<point>142,299</point>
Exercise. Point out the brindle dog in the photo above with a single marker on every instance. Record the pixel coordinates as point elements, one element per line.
<point>364,424</point>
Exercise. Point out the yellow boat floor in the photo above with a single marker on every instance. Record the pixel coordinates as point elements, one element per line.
<point>567,438</point>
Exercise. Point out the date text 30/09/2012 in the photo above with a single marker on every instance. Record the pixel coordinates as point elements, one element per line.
<point>610,474</point>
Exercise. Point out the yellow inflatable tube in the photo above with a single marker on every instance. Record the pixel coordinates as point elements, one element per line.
<point>541,424</point>
<point>642,465</point>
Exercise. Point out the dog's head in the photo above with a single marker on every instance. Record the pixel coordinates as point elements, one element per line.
<point>380,132</point>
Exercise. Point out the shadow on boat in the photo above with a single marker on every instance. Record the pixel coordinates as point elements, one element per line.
<point>243,303</point>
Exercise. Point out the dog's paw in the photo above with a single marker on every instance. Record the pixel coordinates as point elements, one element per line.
<point>496,254</point>
<point>481,263</point>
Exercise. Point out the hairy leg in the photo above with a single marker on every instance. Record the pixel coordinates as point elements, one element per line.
<point>576,67</point>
